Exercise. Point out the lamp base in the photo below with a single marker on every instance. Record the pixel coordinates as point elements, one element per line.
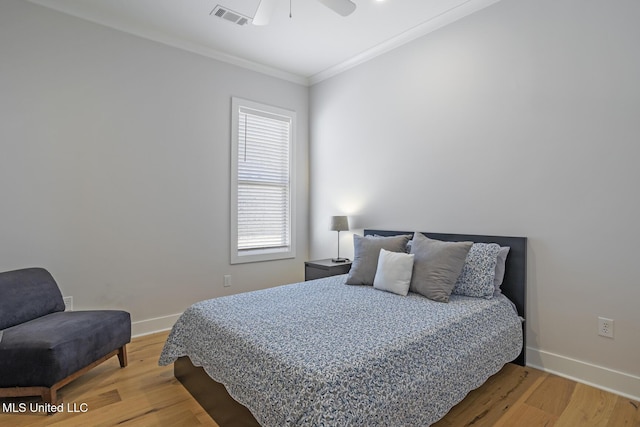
<point>339,259</point>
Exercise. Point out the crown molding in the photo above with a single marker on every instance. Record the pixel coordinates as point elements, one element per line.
<point>181,44</point>
<point>447,17</point>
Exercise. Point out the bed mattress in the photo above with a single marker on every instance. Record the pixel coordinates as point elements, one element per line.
<point>325,353</point>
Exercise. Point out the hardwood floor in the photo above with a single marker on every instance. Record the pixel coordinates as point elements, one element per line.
<point>144,394</point>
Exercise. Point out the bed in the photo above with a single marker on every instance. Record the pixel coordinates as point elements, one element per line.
<point>325,353</point>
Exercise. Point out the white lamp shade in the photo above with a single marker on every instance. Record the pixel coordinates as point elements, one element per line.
<point>339,223</point>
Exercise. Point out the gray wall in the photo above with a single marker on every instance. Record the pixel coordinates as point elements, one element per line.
<point>522,119</point>
<point>115,165</point>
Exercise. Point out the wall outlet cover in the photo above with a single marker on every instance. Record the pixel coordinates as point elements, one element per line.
<point>68,303</point>
<point>605,327</point>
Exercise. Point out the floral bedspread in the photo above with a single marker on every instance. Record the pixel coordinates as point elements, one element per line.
<point>322,353</point>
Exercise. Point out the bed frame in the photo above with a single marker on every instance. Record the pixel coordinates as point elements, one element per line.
<point>514,285</point>
<point>227,412</point>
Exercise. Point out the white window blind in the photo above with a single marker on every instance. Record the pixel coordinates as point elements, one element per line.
<point>262,182</point>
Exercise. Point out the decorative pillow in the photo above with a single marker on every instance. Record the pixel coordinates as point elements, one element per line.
<point>436,266</point>
<point>478,272</point>
<point>366,253</point>
<point>394,272</point>
<point>500,266</point>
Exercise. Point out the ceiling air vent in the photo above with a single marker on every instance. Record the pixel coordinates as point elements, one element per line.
<point>229,15</point>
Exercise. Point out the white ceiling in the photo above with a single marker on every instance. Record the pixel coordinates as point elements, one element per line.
<point>314,44</point>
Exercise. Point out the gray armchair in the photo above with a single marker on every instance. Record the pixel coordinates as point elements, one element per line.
<point>42,347</point>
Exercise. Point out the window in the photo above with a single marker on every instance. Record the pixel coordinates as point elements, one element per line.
<point>262,184</point>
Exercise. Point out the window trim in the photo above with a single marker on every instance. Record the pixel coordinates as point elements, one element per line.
<point>258,255</point>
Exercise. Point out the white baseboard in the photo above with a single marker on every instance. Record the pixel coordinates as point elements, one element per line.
<point>151,326</point>
<point>617,382</point>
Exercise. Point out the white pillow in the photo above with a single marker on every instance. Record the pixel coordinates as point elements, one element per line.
<point>394,272</point>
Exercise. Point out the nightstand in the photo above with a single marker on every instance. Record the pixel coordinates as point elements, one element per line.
<point>324,268</point>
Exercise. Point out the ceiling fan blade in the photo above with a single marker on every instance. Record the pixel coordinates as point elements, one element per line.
<point>341,7</point>
<point>264,12</point>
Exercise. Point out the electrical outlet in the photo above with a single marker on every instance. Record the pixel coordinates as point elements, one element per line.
<point>227,280</point>
<point>68,303</point>
<point>605,327</point>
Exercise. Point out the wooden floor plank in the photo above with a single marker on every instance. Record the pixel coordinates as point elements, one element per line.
<point>485,405</point>
<point>625,414</point>
<point>527,415</point>
<point>553,395</point>
<point>145,394</point>
<point>514,412</point>
<point>588,407</point>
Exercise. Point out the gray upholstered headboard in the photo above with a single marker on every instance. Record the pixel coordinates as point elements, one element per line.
<point>514,285</point>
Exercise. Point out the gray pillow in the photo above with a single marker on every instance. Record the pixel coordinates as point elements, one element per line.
<point>436,266</point>
<point>500,267</point>
<point>366,253</point>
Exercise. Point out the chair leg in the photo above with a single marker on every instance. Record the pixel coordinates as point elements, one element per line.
<point>122,356</point>
<point>49,395</point>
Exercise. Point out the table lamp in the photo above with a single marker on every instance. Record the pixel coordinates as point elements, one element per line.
<point>339,223</point>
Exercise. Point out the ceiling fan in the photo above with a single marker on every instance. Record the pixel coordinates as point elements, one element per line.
<point>265,9</point>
